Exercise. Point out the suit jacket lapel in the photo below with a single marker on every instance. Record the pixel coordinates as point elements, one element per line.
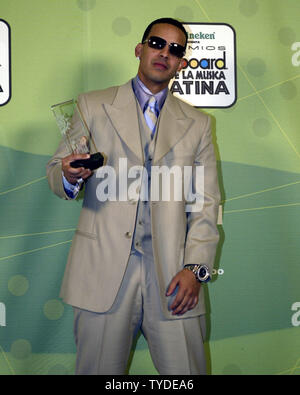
<point>173,125</point>
<point>123,116</point>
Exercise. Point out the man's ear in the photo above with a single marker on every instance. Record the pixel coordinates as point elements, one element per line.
<point>181,64</point>
<point>138,50</point>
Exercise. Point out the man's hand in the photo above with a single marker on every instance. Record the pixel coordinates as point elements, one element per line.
<point>188,292</point>
<point>72,174</point>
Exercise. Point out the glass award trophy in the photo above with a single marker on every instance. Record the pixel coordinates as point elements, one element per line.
<point>76,134</point>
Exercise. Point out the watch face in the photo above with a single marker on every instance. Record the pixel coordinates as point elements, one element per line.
<point>203,274</point>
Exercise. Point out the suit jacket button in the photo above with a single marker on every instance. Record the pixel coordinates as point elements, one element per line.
<point>128,235</point>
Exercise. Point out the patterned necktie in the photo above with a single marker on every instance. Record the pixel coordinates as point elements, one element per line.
<point>150,115</point>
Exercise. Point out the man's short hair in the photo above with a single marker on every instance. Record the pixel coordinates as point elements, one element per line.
<point>170,21</point>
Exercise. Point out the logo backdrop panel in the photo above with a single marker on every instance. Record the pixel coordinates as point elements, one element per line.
<point>208,77</point>
<point>5,89</point>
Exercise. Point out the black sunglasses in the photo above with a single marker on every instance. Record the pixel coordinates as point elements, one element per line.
<point>159,43</point>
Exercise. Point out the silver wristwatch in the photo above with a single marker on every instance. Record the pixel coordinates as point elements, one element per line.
<point>201,272</point>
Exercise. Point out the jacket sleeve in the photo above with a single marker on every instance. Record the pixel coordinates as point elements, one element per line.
<point>202,233</point>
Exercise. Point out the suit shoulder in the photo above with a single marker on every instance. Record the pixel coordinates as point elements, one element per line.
<point>190,111</point>
<point>99,96</point>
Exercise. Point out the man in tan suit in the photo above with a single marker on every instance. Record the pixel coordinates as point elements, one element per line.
<point>138,264</point>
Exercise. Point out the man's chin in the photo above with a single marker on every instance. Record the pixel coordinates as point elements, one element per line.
<point>160,78</point>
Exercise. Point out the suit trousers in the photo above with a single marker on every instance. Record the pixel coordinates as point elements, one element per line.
<point>104,340</point>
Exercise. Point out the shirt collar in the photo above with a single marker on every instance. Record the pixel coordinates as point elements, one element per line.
<point>143,94</point>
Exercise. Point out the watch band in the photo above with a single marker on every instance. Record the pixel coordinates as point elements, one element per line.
<point>201,272</point>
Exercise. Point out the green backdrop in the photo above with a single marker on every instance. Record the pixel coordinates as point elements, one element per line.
<point>63,47</point>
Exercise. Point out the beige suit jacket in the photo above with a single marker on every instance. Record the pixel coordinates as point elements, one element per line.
<point>102,242</point>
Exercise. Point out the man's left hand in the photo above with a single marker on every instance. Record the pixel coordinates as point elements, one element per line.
<point>188,292</point>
